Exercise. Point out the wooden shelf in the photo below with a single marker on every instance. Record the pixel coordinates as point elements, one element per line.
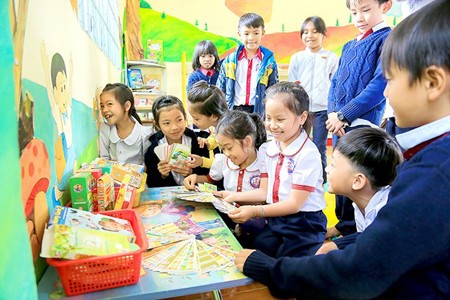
<point>143,107</point>
<point>131,63</point>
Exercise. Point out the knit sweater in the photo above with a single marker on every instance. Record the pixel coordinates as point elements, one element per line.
<point>314,70</point>
<point>198,75</point>
<point>404,254</point>
<point>358,85</point>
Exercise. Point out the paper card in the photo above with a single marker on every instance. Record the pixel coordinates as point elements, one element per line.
<point>161,151</point>
<point>179,154</point>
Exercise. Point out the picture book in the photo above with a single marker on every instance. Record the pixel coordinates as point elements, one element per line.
<point>155,51</point>
<point>74,242</point>
<point>135,79</point>
<point>153,81</point>
<point>72,217</point>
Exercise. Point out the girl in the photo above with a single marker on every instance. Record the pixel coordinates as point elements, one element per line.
<point>122,138</point>
<point>170,120</point>
<point>291,179</point>
<point>313,68</point>
<point>206,104</point>
<point>205,63</point>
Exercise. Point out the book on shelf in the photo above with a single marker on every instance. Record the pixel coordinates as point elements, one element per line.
<point>135,78</point>
<point>155,51</point>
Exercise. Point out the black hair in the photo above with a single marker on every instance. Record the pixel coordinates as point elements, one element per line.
<point>57,65</point>
<point>373,152</point>
<point>205,47</point>
<point>419,41</point>
<point>164,102</point>
<point>123,93</point>
<point>238,124</point>
<point>318,23</point>
<point>251,20</point>
<point>354,2</point>
<point>207,99</point>
<point>297,100</point>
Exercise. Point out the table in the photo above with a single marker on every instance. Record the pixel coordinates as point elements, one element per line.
<point>155,285</point>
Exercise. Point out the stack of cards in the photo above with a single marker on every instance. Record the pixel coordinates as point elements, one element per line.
<point>188,257</point>
<point>176,154</point>
<point>219,204</point>
<point>164,234</point>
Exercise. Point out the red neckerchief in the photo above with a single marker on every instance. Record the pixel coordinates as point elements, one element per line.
<point>412,151</point>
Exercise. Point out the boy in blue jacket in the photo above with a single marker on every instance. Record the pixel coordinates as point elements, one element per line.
<point>246,73</point>
<point>405,253</point>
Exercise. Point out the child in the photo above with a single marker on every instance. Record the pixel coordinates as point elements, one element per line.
<point>291,179</point>
<point>356,94</point>
<point>205,63</point>
<point>247,73</point>
<point>362,168</point>
<point>206,105</point>
<point>170,120</point>
<point>404,253</point>
<point>122,138</point>
<point>239,135</point>
<point>313,68</point>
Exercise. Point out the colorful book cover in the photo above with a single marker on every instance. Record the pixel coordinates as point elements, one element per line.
<point>135,79</point>
<point>155,51</point>
<point>68,216</point>
<point>75,242</point>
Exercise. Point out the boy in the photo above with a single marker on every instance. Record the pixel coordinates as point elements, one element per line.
<point>246,73</point>
<point>356,93</point>
<point>362,168</point>
<point>404,254</point>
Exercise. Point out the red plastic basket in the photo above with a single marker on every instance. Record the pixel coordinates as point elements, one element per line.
<point>91,274</point>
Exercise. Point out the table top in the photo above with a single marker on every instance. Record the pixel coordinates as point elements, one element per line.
<point>157,207</point>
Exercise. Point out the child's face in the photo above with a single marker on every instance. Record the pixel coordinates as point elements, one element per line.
<point>202,121</point>
<point>233,149</point>
<point>111,109</point>
<point>172,124</point>
<point>312,38</point>
<point>207,61</point>
<point>368,13</point>
<point>408,101</point>
<point>61,92</point>
<point>251,37</point>
<point>281,122</point>
<point>340,174</point>
<point>150,211</point>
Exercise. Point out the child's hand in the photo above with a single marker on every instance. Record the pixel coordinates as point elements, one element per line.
<point>326,247</point>
<point>190,181</point>
<point>332,232</point>
<point>164,168</point>
<point>333,124</point>
<point>228,196</point>
<point>183,170</point>
<point>196,161</point>
<point>202,142</point>
<point>242,214</point>
<point>241,258</point>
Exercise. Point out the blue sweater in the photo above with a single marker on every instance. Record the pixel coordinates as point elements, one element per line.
<point>358,85</point>
<point>404,254</point>
<point>267,76</point>
<point>197,75</point>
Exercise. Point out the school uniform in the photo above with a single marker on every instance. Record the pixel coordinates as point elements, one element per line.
<point>298,167</point>
<point>154,178</point>
<point>128,150</point>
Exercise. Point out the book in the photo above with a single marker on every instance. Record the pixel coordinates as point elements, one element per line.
<point>135,79</point>
<point>72,217</point>
<point>155,51</point>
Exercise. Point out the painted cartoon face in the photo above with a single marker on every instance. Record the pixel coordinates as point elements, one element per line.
<point>367,13</point>
<point>281,122</point>
<point>312,38</point>
<point>111,109</point>
<point>61,92</point>
<point>150,211</point>
<point>207,61</point>
<point>201,121</point>
<point>340,174</point>
<point>251,37</point>
<point>172,124</point>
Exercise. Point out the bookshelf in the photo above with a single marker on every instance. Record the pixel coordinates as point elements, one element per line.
<point>147,79</point>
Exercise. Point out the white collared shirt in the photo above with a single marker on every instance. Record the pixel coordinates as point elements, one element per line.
<point>240,86</point>
<point>423,133</point>
<point>235,179</point>
<point>185,140</point>
<point>371,211</point>
<point>129,150</point>
<point>301,170</point>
